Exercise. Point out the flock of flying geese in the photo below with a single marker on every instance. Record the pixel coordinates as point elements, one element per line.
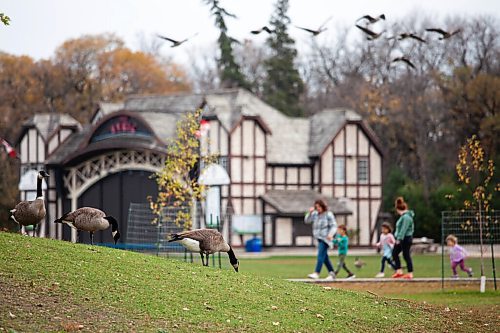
<point>371,35</point>
<point>89,219</point>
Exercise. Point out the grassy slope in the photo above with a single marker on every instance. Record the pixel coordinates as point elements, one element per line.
<point>56,286</point>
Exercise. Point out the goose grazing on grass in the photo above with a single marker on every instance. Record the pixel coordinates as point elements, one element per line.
<point>359,263</point>
<point>205,241</point>
<point>31,212</point>
<point>91,220</point>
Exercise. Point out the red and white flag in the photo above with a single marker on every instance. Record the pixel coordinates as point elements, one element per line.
<point>8,148</point>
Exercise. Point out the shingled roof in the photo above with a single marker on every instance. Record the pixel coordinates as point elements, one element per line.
<point>290,141</point>
<point>297,202</point>
<point>48,123</point>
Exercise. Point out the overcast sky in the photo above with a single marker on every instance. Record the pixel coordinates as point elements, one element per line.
<point>38,27</point>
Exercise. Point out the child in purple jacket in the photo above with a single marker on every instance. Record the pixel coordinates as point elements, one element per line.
<point>457,256</point>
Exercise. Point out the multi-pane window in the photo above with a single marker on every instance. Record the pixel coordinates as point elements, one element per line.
<point>339,170</point>
<point>362,170</point>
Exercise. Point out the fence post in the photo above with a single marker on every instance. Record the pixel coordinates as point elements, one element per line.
<point>443,219</point>
<point>492,236</point>
<point>218,229</point>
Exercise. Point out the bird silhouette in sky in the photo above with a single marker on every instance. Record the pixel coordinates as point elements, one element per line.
<point>405,35</point>
<point>405,60</point>
<point>264,28</point>
<point>444,34</point>
<point>174,42</point>
<point>371,19</point>
<point>371,34</point>
<point>316,32</point>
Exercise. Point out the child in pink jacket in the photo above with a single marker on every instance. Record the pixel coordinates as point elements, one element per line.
<point>457,256</point>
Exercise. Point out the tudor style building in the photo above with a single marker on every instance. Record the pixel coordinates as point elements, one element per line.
<point>277,165</point>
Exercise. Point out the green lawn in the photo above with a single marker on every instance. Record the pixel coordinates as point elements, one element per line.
<point>49,285</point>
<point>299,267</point>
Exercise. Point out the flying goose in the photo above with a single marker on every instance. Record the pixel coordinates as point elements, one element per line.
<point>412,35</point>
<point>316,32</point>
<point>371,19</point>
<point>31,212</point>
<point>405,60</point>
<point>205,241</point>
<point>444,34</point>
<point>264,28</point>
<point>91,220</point>
<point>174,42</point>
<point>371,34</point>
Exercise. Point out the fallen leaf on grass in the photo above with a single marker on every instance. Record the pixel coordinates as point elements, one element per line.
<point>276,323</point>
<point>447,309</point>
<point>185,309</point>
<point>274,307</point>
<point>12,315</point>
<point>327,288</point>
<point>319,315</point>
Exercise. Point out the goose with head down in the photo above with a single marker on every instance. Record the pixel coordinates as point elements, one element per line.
<point>205,242</point>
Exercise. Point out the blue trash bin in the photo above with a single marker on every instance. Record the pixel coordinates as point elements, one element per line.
<point>253,245</point>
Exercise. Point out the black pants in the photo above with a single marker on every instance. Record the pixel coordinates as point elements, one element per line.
<point>403,246</point>
<point>389,261</point>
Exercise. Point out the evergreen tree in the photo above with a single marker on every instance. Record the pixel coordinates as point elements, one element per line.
<point>229,70</point>
<point>283,86</point>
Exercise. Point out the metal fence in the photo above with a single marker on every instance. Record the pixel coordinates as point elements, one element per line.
<point>472,229</point>
<point>144,235</point>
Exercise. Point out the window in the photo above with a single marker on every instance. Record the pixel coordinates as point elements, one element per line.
<point>363,170</point>
<point>339,170</point>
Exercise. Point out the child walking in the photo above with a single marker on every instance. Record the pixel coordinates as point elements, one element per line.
<point>342,241</point>
<point>386,244</point>
<point>457,256</point>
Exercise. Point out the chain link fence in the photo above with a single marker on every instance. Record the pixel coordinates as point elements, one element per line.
<point>143,235</point>
<point>472,229</point>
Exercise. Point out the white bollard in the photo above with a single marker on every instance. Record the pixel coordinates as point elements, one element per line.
<point>482,286</point>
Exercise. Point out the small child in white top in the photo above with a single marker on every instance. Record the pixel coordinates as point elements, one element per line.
<point>386,244</point>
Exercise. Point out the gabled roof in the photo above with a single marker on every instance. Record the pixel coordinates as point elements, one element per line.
<point>325,125</point>
<point>48,123</point>
<point>297,202</point>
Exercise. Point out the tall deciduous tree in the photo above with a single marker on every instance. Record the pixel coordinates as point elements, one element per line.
<point>229,70</point>
<point>283,86</point>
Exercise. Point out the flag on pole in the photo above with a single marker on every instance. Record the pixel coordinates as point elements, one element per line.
<point>8,148</point>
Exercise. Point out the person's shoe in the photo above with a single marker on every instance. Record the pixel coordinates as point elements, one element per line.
<point>470,272</point>
<point>454,277</point>
<point>350,276</point>
<point>331,277</point>
<point>313,275</point>
<point>380,275</point>
<point>397,275</point>
<point>408,276</point>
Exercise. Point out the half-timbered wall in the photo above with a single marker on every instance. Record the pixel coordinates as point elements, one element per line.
<point>289,177</point>
<point>351,168</point>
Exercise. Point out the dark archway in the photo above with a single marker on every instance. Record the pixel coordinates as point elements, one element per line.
<point>113,194</point>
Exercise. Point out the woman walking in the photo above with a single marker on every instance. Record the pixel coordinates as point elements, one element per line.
<point>404,239</point>
<point>324,228</point>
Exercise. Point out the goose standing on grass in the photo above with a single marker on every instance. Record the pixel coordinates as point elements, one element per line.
<point>359,263</point>
<point>31,212</point>
<point>205,241</point>
<point>91,220</point>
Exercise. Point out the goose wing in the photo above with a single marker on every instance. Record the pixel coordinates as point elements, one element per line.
<point>366,17</point>
<point>417,38</point>
<point>27,213</point>
<point>308,30</point>
<point>87,212</point>
<point>210,239</point>
<point>169,39</point>
<point>439,31</point>
<point>367,31</point>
